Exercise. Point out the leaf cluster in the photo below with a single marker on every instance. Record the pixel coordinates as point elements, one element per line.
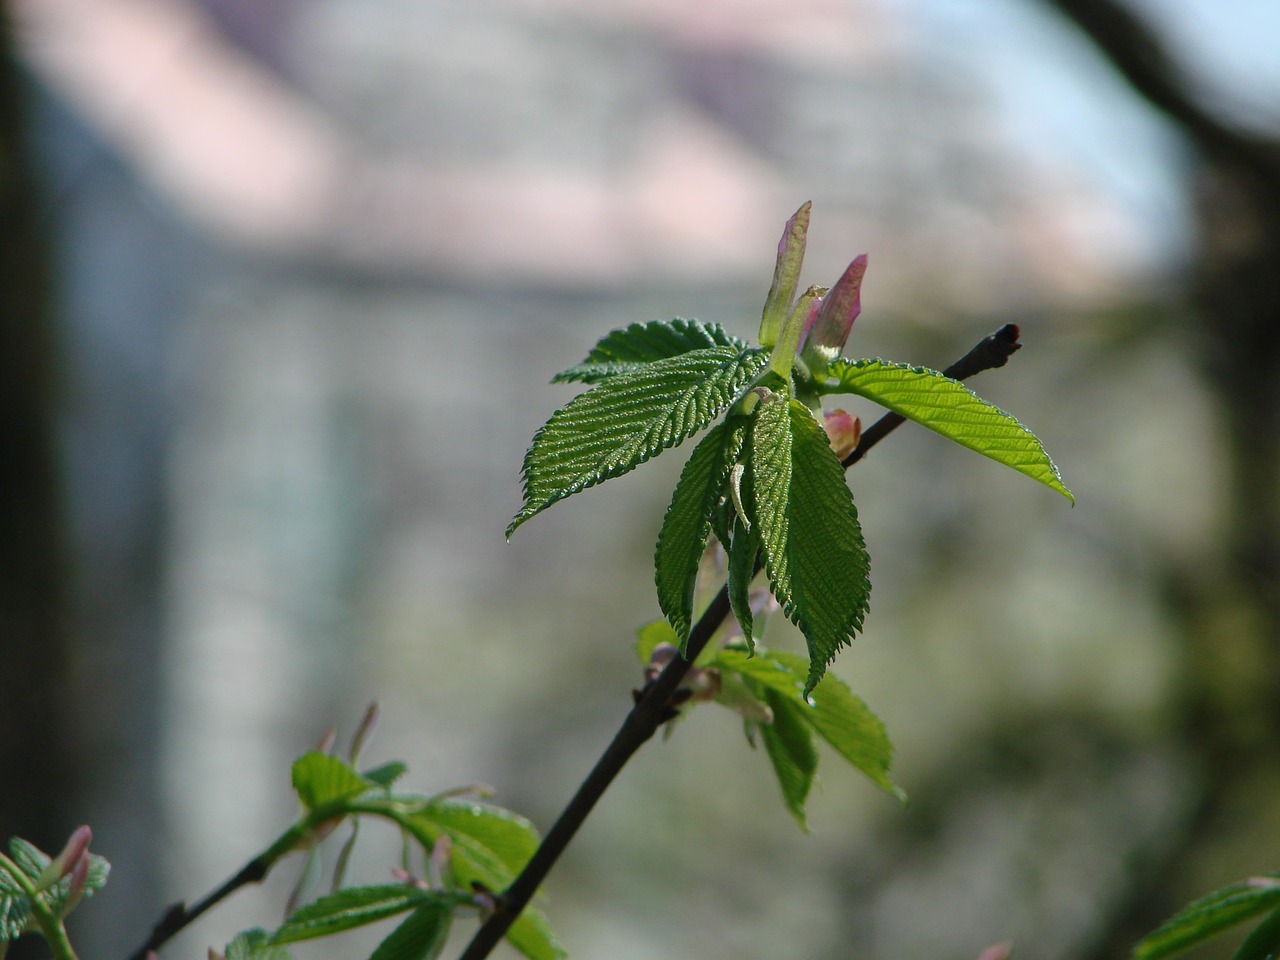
<point>470,850</point>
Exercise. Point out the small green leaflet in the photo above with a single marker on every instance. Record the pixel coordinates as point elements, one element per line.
<point>421,936</point>
<point>627,350</point>
<point>354,907</point>
<point>687,525</point>
<point>1264,942</point>
<point>490,845</point>
<point>627,419</point>
<point>321,779</point>
<point>788,741</point>
<point>831,710</point>
<point>809,533</point>
<point>950,408</point>
<point>1211,915</point>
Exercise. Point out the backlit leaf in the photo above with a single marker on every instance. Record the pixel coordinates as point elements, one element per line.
<point>627,419</point>
<point>950,408</point>
<point>321,779</point>
<point>789,744</point>
<point>629,349</point>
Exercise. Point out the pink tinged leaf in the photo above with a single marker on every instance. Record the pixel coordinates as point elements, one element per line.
<point>79,877</point>
<point>786,275</point>
<point>844,431</point>
<point>840,307</point>
<point>65,862</point>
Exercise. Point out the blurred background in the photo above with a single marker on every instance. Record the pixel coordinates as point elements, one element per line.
<point>283,282</point>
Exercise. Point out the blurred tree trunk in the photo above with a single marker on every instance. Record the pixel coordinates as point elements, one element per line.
<point>34,757</point>
<point>1230,604</point>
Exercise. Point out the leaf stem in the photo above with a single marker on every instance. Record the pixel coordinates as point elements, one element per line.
<point>51,926</point>
<point>653,707</point>
<point>179,915</point>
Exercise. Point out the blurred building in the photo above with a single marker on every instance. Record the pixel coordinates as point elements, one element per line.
<point>320,259</point>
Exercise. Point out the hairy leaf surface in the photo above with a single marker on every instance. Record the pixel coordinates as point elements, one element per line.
<point>627,419</point>
<point>687,524</point>
<point>950,408</point>
<point>629,349</point>
<point>809,532</point>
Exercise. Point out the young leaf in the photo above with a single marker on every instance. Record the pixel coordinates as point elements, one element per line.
<point>386,774</point>
<point>687,523</point>
<point>350,908</point>
<point>1209,916</point>
<point>650,635</point>
<point>950,408</point>
<point>421,936</point>
<point>531,934</point>
<point>809,533</point>
<point>627,419</point>
<point>509,837</point>
<point>255,944</point>
<point>744,548</point>
<point>835,714</point>
<point>320,779</point>
<point>627,350</point>
<point>789,744</point>
<point>845,722</point>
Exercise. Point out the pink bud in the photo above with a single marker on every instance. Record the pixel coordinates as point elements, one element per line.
<point>843,431</point>
<point>828,332</point>
<point>79,877</point>
<point>65,862</point>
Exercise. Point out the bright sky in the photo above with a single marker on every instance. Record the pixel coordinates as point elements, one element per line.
<point>1062,101</point>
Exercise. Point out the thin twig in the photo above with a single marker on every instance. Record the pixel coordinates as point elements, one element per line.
<point>653,707</point>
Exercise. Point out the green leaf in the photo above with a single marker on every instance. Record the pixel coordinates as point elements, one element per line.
<point>350,908</point>
<point>628,350</point>
<point>506,836</point>
<point>687,523</point>
<point>627,419</point>
<point>1210,915</point>
<point>1264,942</point>
<point>808,526</point>
<point>28,857</point>
<point>744,548</point>
<point>847,723</point>
<point>531,934</point>
<point>15,909</point>
<point>255,944</point>
<point>950,408</point>
<point>789,744</point>
<point>421,936</point>
<point>650,635</point>
<point>57,896</point>
<point>321,779</point>
<point>386,774</point>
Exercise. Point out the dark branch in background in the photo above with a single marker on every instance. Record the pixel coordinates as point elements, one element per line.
<point>1138,55</point>
<point>653,707</point>
<point>179,916</point>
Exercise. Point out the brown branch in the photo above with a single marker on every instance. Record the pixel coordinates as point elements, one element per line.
<point>653,708</point>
